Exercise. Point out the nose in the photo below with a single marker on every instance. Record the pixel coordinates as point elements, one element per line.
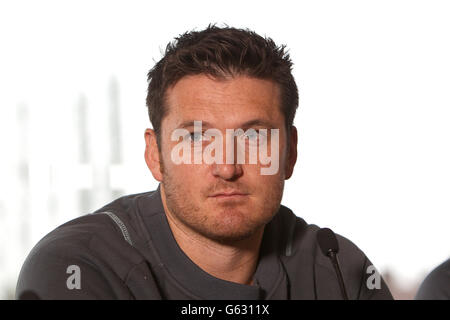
<point>227,171</point>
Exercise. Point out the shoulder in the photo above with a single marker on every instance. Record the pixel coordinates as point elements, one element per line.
<point>93,243</point>
<point>73,236</point>
<point>437,284</point>
<point>301,253</point>
<point>302,236</point>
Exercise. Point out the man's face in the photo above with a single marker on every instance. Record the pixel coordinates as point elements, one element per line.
<point>223,201</point>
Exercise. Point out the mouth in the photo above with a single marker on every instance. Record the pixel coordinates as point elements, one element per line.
<point>231,195</point>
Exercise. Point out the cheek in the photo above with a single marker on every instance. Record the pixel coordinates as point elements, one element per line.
<point>271,191</point>
<point>262,185</point>
<point>185,175</point>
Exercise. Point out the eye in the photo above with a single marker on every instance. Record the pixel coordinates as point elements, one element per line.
<point>196,136</point>
<point>251,135</point>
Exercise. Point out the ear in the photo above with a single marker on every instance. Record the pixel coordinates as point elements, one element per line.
<point>152,156</point>
<point>292,153</point>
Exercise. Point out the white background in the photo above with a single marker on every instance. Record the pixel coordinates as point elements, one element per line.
<point>373,121</point>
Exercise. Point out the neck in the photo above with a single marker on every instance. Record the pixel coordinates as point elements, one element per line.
<point>235,262</point>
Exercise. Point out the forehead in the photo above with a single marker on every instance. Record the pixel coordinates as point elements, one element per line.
<point>223,102</point>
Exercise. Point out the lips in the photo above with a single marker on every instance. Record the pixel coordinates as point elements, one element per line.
<point>229,194</point>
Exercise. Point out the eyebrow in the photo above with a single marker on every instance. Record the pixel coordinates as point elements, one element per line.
<point>257,123</point>
<point>245,125</point>
<point>190,123</point>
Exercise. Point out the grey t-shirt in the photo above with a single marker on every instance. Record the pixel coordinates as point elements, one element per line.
<point>126,250</point>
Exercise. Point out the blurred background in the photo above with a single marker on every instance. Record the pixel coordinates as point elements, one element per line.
<point>373,121</point>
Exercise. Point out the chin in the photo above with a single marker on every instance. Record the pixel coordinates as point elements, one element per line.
<point>231,237</point>
<point>228,229</point>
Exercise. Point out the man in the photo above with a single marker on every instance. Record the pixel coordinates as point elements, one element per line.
<point>222,103</point>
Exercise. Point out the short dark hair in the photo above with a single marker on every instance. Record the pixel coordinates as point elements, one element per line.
<point>221,53</point>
